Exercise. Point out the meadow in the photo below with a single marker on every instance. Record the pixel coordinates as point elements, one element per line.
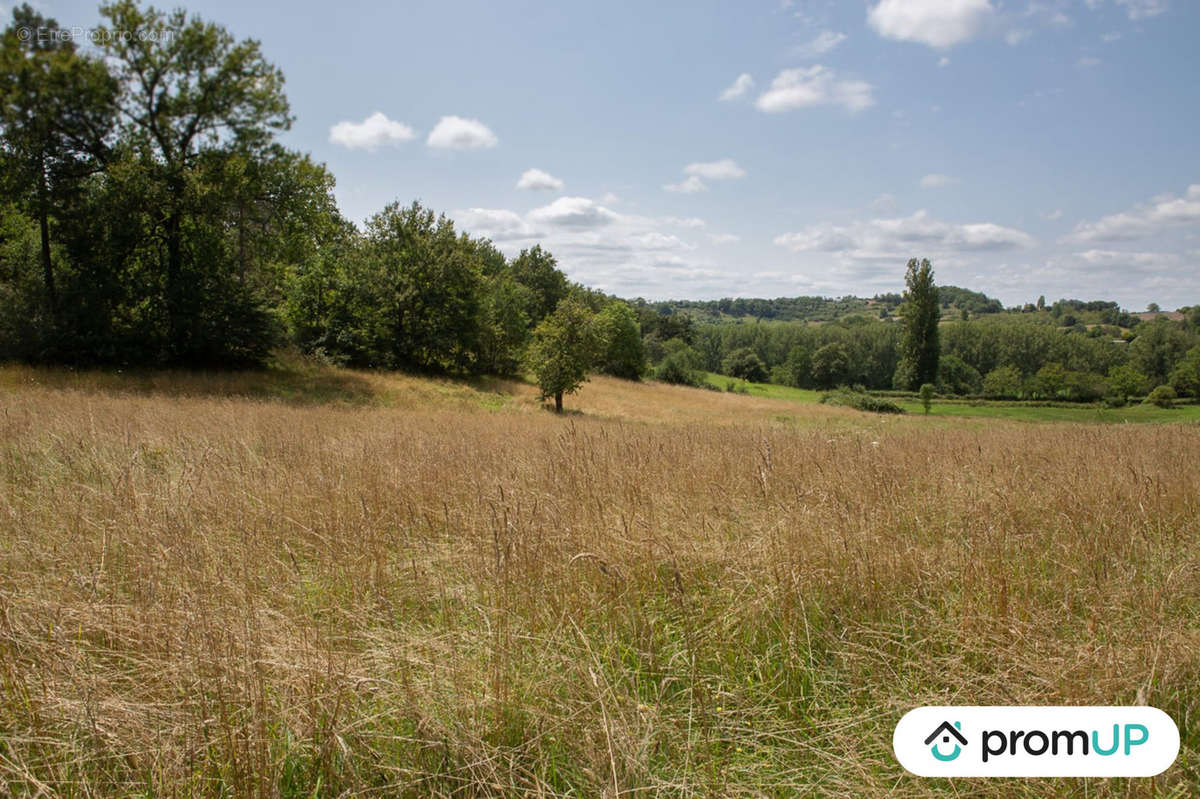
<point>319,582</point>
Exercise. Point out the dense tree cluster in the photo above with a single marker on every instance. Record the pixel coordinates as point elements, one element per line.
<point>1003,356</point>
<point>149,216</point>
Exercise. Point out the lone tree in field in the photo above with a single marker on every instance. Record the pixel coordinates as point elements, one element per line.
<point>562,350</point>
<point>919,350</point>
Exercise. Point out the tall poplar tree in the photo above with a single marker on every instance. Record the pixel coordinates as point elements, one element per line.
<point>922,311</point>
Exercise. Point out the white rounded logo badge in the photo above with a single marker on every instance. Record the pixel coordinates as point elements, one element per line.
<point>981,741</point>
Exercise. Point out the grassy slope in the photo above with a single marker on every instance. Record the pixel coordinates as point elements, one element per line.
<point>313,581</point>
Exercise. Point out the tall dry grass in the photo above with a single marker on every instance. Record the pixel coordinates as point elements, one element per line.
<point>673,593</point>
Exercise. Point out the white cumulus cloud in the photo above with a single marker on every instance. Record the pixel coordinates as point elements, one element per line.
<point>1160,214</point>
<point>739,87</point>
<point>626,254</point>
<point>537,180</point>
<point>937,23</point>
<point>813,86</point>
<point>573,212</point>
<point>370,134</point>
<point>497,224</point>
<point>458,133</point>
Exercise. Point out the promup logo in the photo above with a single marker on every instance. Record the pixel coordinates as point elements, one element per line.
<point>1036,741</point>
<point>946,731</point>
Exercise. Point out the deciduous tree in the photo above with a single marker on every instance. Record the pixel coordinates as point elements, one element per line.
<point>620,342</point>
<point>188,88</point>
<point>1125,381</point>
<point>562,350</point>
<point>57,111</point>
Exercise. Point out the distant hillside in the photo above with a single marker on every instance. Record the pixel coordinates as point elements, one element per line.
<point>815,309</point>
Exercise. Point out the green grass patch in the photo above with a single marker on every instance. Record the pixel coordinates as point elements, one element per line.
<point>987,410</point>
<point>770,390</point>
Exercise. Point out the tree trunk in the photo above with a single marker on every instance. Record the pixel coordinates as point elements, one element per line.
<point>558,402</point>
<point>44,224</point>
<point>174,281</point>
<point>47,264</point>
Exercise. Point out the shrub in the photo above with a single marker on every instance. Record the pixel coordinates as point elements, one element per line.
<point>745,364</point>
<point>860,401</point>
<point>1085,386</point>
<point>1125,381</point>
<point>679,368</point>
<point>1164,397</point>
<point>956,376</point>
<point>927,396</point>
<point>1185,377</point>
<point>1002,382</point>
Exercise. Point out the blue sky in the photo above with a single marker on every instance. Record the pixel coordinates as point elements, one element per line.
<point>700,150</point>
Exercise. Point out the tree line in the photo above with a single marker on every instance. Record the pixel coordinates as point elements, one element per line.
<point>1000,356</point>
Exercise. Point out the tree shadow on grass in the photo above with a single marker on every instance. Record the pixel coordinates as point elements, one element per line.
<point>271,383</point>
<point>289,379</point>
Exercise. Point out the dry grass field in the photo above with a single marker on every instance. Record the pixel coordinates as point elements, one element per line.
<point>339,584</point>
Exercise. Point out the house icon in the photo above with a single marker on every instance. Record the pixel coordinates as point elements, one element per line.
<point>946,730</point>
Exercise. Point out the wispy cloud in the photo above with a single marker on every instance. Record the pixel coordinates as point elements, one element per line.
<point>897,238</point>
<point>687,222</point>
<point>725,169</point>
<point>824,42</point>
<point>698,172</point>
<point>742,85</point>
<point>1144,9</point>
<point>691,185</point>
<point>814,86</point>
<point>937,181</point>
